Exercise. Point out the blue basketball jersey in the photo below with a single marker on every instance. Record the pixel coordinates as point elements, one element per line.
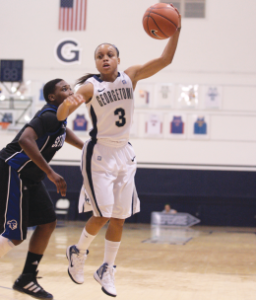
<point>48,144</point>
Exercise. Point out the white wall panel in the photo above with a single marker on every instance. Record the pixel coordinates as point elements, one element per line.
<point>217,50</point>
<point>233,128</point>
<point>239,98</point>
<point>219,43</point>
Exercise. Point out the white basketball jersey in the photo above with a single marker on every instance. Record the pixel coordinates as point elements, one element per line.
<point>154,125</point>
<point>111,110</point>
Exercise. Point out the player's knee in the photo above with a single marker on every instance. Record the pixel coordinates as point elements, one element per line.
<point>49,227</point>
<point>117,222</point>
<point>16,242</point>
<point>101,220</point>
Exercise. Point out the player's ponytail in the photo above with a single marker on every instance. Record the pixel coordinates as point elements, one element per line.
<point>82,79</point>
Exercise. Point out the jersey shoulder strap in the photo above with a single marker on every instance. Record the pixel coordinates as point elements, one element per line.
<point>52,108</point>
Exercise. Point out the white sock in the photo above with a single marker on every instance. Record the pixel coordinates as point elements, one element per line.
<point>85,241</point>
<point>5,245</point>
<point>111,249</point>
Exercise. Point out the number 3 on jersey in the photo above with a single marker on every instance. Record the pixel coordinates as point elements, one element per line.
<point>121,113</point>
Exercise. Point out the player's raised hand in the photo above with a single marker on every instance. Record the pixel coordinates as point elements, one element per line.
<point>179,25</point>
<point>59,181</point>
<point>74,100</point>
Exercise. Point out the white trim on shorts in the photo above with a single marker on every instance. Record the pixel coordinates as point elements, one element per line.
<point>7,199</point>
<point>21,196</point>
<point>85,170</point>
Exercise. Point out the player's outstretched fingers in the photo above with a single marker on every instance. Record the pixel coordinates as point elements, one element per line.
<point>59,181</point>
<point>176,9</point>
<point>58,187</point>
<point>63,187</point>
<point>74,100</point>
<point>79,98</point>
<point>70,101</point>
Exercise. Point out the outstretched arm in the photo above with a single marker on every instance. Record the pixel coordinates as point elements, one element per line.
<point>27,141</point>
<point>73,140</point>
<point>84,94</point>
<point>137,73</point>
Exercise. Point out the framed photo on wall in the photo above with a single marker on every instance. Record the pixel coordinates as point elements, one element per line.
<point>212,97</point>
<point>153,125</point>
<point>176,126</point>
<point>79,121</point>
<point>199,126</point>
<point>144,95</point>
<point>187,96</point>
<point>164,95</point>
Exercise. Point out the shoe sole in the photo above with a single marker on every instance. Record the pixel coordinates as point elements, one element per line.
<point>68,258</point>
<point>20,290</point>
<point>95,276</point>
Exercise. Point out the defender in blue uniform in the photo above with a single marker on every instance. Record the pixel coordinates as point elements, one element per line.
<point>24,200</point>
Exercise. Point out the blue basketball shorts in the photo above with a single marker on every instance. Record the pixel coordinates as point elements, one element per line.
<point>23,203</point>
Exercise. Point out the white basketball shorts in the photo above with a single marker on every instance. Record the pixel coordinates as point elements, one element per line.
<point>109,180</point>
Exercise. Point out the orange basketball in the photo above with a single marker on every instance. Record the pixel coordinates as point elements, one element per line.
<point>160,21</point>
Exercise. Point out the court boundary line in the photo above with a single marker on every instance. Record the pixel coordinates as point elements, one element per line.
<point>5,287</point>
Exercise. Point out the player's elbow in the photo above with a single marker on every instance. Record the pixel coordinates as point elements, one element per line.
<point>22,141</point>
<point>167,61</point>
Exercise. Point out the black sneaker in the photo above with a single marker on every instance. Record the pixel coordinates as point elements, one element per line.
<point>28,284</point>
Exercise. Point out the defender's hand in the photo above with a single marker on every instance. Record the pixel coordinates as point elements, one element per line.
<point>59,181</point>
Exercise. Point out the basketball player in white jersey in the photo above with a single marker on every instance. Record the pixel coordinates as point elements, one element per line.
<point>108,160</point>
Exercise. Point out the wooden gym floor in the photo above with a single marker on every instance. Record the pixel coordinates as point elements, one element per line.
<point>202,264</point>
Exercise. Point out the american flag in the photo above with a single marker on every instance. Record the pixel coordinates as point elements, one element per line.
<point>72,15</point>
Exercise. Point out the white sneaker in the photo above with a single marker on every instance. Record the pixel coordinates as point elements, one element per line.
<point>76,264</point>
<point>105,277</point>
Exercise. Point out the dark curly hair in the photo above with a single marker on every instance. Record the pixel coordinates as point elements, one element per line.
<point>49,88</point>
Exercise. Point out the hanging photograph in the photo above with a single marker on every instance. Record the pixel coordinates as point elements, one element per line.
<point>212,96</point>
<point>164,95</point>
<point>188,96</point>
<point>176,126</point>
<point>143,95</point>
<point>154,125</point>
<point>80,121</point>
<point>199,126</point>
